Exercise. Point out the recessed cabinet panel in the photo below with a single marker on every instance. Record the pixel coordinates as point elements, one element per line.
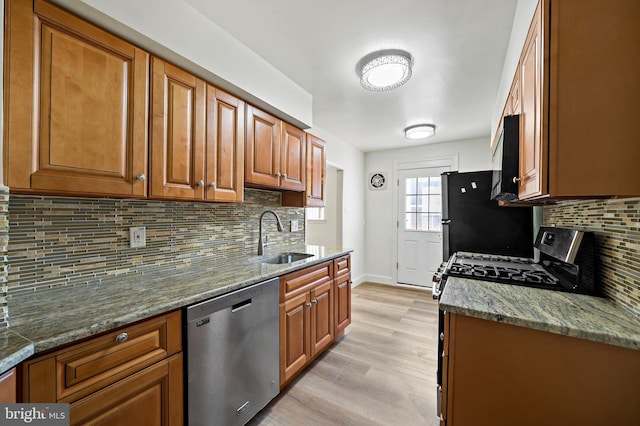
<point>179,133</point>
<point>70,66</point>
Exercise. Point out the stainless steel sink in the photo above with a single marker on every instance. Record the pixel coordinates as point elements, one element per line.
<point>283,258</point>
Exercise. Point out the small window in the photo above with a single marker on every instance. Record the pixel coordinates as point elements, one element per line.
<point>423,204</point>
<point>315,213</point>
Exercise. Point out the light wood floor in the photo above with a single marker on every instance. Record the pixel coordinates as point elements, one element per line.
<point>382,372</point>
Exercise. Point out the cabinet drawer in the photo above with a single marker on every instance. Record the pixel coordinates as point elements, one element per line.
<point>76,371</point>
<point>303,280</point>
<point>342,265</point>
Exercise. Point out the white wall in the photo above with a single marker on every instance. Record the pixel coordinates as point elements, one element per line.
<point>344,156</point>
<point>178,32</point>
<point>521,22</point>
<point>472,154</point>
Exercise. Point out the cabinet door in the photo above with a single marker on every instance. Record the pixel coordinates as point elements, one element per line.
<point>177,133</point>
<point>152,397</point>
<point>316,170</point>
<point>293,167</point>
<point>8,389</point>
<point>262,158</point>
<point>343,302</point>
<point>322,330</point>
<point>532,152</point>
<point>76,106</point>
<point>224,165</point>
<point>295,347</point>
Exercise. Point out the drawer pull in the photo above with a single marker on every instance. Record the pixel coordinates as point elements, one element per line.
<point>122,337</point>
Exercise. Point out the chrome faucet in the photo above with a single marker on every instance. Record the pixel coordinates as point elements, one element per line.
<point>260,240</point>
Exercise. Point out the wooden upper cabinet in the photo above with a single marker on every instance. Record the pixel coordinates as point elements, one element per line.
<point>531,167</point>
<point>224,167</point>
<point>316,171</point>
<point>177,133</point>
<point>579,101</point>
<point>292,158</point>
<point>262,159</point>
<point>275,152</point>
<point>75,105</point>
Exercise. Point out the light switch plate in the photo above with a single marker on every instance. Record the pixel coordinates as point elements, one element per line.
<point>294,226</point>
<point>137,237</point>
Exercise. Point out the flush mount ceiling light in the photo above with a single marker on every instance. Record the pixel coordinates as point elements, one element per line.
<point>385,70</point>
<point>420,131</point>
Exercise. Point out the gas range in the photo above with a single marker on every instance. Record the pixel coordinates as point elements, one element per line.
<point>567,263</point>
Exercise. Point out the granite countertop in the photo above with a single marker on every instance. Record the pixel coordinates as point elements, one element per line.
<point>575,315</point>
<point>45,319</point>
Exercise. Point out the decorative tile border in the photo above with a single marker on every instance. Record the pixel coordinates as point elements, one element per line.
<point>57,241</point>
<point>616,225</point>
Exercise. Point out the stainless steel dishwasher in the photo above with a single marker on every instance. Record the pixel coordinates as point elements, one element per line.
<point>232,355</point>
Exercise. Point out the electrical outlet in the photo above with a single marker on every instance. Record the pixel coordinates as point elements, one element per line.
<point>137,237</point>
<point>294,226</point>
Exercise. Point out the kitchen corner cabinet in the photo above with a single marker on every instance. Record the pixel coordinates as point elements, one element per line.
<point>275,152</point>
<point>129,376</point>
<point>580,99</point>
<point>197,138</point>
<point>307,317</point>
<point>75,106</point>
<point>316,165</point>
<point>497,374</point>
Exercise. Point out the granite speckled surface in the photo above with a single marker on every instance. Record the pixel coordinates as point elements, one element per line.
<point>575,315</point>
<point>13,349</point>
<point>60,316</point>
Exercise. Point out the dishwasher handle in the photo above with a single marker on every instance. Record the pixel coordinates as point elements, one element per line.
<point>239,306</point>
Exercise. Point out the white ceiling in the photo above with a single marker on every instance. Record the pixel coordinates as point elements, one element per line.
<point>458,47</point>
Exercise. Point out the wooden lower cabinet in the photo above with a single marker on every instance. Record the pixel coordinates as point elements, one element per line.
<point>150,397</point>
<point>306,329</point>
<point>496,374</point>
<point>342,303</point>
<point>132,375</point>
<point>8,387</point>
<point>310,309</point>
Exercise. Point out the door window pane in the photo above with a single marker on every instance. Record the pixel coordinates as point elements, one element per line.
<point>423,203</point>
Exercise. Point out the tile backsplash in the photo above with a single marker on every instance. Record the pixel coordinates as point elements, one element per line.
<point>616,225</point>
<point>71,241</point>
<point>4,239</point>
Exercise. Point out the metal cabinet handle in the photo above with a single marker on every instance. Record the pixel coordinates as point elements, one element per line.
<point>314,301</point>
<point>122,337</point>
<point>442,337</point>
<point>200,183</point>
<point>308,305</point>
<point>212,184</point>
<point>284,175</point>
<point>278,174</point>
<point>516,179</point>
<point>141,177</point>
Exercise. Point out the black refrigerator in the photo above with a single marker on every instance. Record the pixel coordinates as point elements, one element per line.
<point>472,222</point>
